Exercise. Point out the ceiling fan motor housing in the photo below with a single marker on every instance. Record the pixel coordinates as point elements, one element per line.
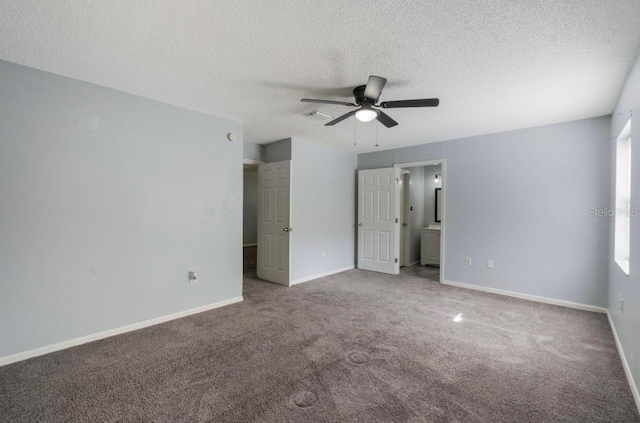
<point>358,93</point>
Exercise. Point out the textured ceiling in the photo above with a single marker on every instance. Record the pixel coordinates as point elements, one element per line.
<point>495,65</point>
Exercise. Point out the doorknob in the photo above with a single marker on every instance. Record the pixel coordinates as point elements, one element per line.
<point>287,229</point>
<point>359,224</point>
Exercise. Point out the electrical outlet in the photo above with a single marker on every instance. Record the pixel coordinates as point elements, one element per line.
<point>490,264</point>
<point>329,252</point>
<point>193,277</point>
<point>324,253</point>
<point>467,261</point>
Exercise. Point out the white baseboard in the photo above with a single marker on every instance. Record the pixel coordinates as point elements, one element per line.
<point>255,244</point>
<point>529,297</point>
<point>413,263</point>
<point>625,364</point>
<point>8,359</point>
<point>321,275</point>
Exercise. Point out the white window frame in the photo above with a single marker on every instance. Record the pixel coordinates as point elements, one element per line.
<point>623,212</point>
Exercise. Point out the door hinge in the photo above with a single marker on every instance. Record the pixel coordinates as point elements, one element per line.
<point>396,260</point>
<point>396,220</point>
<point>397,181</point>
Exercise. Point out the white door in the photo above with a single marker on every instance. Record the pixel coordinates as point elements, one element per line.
<point>378,220</point>
<point>274,189</point>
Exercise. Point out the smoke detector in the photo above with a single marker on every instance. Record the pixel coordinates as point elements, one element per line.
<point>317,114</point>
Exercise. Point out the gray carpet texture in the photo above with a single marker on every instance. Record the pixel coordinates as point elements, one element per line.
<point>353,347</point>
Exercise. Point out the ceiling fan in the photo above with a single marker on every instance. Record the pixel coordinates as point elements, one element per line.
<point>366,97</point>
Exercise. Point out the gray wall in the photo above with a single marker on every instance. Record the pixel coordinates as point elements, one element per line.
<point>107,201</point>
<point>277,151</point>
<point>252,151</point>
<point>627,324</point>
<point>430,193</point>
<point>323,208</point>
<point>522,198</point>
<point>250,206</point>
<point>416,198</point>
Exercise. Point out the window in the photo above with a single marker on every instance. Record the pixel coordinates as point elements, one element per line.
<point>623,198</point>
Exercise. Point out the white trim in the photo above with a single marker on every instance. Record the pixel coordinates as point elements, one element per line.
<point>321,275</point>
<point>252,162</point>
<point>8,359</point>
<point>529,297</point>
<point>413,263</point>
<point>443,218</point>
<point>625,364</point>
<point>419,164</point>
<point>254,244</point>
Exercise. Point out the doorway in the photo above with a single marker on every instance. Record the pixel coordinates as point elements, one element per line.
<point>250,217</point>
<point>422,216</point>
<point>266,220</point>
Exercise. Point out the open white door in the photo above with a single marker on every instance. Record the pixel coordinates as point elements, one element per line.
<point>274,190</point>
<point>378,220</point>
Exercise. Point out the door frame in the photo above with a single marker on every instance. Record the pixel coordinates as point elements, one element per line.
<point>405,216</point>
<point>443,219</point>
<point>252,162</point>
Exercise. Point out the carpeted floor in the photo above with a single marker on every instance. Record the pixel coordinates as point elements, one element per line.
<point>249,260</point>
<point>428,272</point>
<point>353,347</point>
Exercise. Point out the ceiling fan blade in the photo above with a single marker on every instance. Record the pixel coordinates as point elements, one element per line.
<point>386,120</point>
<point>374,87</point>
<point>340,119</point>
<point>313,100</point>
<point>426,102</point>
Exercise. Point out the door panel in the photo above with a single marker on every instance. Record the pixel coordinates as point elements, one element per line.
<point>385,206</point>
<point>368,205</point>
<point>274,202</point>
<point>280,253</point>
<point>281,198</point>
<point>368,244</point>
<point>266,205</point>
<point>384,244</point>
<point>378,227</point>
<point>266,251</point>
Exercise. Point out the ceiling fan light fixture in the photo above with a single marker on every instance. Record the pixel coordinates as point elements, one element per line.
<point>366,114</point>
<point>366,96</point>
